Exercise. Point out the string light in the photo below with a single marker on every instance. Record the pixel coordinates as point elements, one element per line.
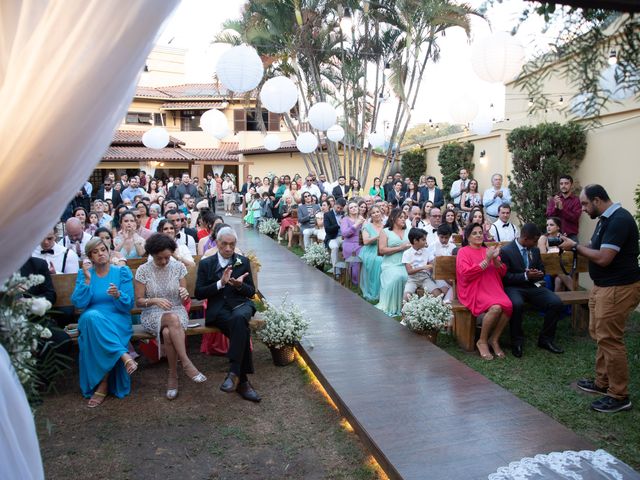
<point>613,57</point>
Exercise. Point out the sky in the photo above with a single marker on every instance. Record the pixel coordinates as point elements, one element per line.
<point>196,22</point>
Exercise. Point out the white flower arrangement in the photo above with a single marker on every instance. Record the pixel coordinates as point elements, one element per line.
<point>426,313</point>
<point>284,325</point>
<point>316,255</point>
<point>269,227</point>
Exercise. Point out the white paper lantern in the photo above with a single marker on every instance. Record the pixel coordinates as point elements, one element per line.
<point>463,109</point>
<point>335,133</point>
<point>272,142</point>
<point>609,84</point>
<point>307,142</point>
<point>497,58</point>
<point>279,95</point>
<point>482,124</point>
<point>322,116</point>
<point>376,139</point>
<point>215,123</point>
<point>155,138</point>
<point>240,69</point>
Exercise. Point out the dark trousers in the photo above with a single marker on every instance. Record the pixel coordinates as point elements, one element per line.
<point>234,324</point>
<point>540,298</point>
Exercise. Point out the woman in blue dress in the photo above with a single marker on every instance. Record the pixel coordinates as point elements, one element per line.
<point>394,240</point>
<point>105,293</point>
<point>371,261</point>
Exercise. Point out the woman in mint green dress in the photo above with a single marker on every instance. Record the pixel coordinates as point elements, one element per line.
<point>393,241</point>
<point>371,261</point>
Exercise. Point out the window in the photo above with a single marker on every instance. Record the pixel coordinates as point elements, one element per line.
<point>138,118</point>
<point>190,120</point>
<point>252,121</point>
<point>160,119</point>
<point>246,121</point>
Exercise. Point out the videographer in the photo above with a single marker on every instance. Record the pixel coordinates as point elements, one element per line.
<point>613,267</point>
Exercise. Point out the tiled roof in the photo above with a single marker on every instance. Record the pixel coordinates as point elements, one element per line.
<point>224,152</point>
<point>143,153</point>
<point>193,105</point>
<point>187,91</point>
<point>134,137</point>
<point>286,146</point>
<point>150,92</point>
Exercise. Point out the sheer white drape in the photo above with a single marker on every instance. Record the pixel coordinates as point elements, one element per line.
<point>68,71</point>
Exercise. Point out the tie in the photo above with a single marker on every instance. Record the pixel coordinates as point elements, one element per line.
<point>78,250</point>
<point>44,252</point>
<point>177,235</point>
<point>525,257</point>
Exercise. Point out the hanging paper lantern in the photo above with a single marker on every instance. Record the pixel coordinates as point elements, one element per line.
<point>240,69</point>
<point>272,142</point>
<point>279,95</point>
<point>497,58</point>
<point>482,124</point>
<point>463,109</point>
<point>335,133</point>
<point>215,123</point>
<point>155,138</point>
<point>609,83</point>
<point>307,142</point>
<point>322,116</point>
<point>376,139</point>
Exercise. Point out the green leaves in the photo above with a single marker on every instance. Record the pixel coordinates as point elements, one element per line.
<point>452,157</point>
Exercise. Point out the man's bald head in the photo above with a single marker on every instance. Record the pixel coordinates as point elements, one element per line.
<point>74,229</point>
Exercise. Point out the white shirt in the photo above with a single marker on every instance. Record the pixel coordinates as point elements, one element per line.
<point>183,238</point>
<point>415,258</point>
<point>312,189</point>
<point>227,186</point>
<point>432,234</point>
<point>503,232</point>
<point>328,187</point>
<point>72,265</point>
<point>437,249</point>
<point>456,190</point>
<point>223,262</point>
<point>65,242</point>
<point>431,195</point>
<point>492,203</point>
<point>108,194</point>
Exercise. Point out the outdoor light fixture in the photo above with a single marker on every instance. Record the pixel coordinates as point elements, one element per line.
<point>530,103</point>
<point>387,69</point>
<point>346,22</point>
<point>613,57</point>
<point>483,153</point>
<point>561,101</point>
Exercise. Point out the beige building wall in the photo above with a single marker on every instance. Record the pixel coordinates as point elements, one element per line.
<point>165,66</point>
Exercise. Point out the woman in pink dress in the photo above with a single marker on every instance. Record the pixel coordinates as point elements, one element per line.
<point>350,227</point>
<point>479,273</point>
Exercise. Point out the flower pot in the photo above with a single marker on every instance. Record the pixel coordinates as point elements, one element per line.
<point>282,356</point>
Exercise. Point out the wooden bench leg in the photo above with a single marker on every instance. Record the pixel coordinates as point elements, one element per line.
<point>464,329</point>
<point>580,317</point>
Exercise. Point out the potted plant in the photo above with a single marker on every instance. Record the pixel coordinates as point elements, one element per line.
<point>284,325</point>
<point>269,227</point>
<point>426,315</point>
<point>316,255</point>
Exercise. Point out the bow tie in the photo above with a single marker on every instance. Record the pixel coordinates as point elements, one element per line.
<point>44,252</point>
<point>505,225</point>
<point>177,235</point>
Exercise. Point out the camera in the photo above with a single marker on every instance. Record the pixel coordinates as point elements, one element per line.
<point>554,241</point>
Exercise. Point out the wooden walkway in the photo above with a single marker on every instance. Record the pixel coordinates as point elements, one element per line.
<point>422,413</point>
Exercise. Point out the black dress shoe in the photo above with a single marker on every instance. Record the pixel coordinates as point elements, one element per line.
<point>516,350</point>
<point>549,345</point>
<point>230,383</point>
<point>247,392</point>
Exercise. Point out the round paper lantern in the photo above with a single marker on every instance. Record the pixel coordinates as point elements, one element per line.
<point>376,139</point>
<point>482,124</point>
<point>279,95</point>
<point>335,133</point>
<point>272,142</point>
<point>214,122</point>
<point>322,116</point>
<point>497,58</point>
<point>155,138</point>
<point>240,69</point>
<point>463,109</point>
<point>307,142</point>
<point>609,79</point>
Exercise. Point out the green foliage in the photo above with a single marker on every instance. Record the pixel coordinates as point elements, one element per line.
<point>423,132</point>
<point>452,157</point>
<point>540,155</point>
<point>414,164</point>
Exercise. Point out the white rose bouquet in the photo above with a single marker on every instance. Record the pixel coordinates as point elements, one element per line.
<point>269,227</point>
<point>284,325</point>
<point>316,255</point>
<point>426,313</point>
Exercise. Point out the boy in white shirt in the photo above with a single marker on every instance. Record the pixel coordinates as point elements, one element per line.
<point>444,246</point>
<point>416,261</point>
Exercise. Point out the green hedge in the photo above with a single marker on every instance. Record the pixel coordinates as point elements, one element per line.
<point>452,157</point>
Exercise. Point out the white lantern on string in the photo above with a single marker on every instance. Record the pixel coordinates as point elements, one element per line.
<point>322,116</point>
<point>240,69</point>
<point>609,83</point>
<point>463,109</point>
<point>335,133</point>
<point>482,124</point>
<point>215,123</point>
<point>272,142</point>
<point>307,142</point>
<point>376,139</point>
<point>497,58</point>
<point>279,94</point>
<point>155,138</point>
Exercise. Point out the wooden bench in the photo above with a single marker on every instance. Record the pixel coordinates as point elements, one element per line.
<point>464,325</point>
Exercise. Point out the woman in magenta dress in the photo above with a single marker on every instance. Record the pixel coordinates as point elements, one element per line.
<point>479,273</point>
<point>350,227</point>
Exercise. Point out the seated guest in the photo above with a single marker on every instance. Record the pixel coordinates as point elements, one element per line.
<point>181,253</point>
<point>417,262</point>
<point>413,218</point>
<point>154,216</point>
<point>307,218</point>
<point>450,220</point>
<point>225,281</point>
<point>560,282</point>
<point>254,212</point>
<point>105,293</point>
<point>363,208</point>
<point>443,247</point>
<point>76,238</point>
<point>371,261</point>
<point>435,219</point>
<point>502,230</point>
<point>184,235</point>
<point>318,230</point>
<point>289,219</point>
<point>356,190</point>
<point>350,227</point>
<point>394,240</point>
<point>397,194</point>
<point>524,270</point>
<point>59,259</point>
<point>209,241</point>
<point>479,273</point>
<point>128,242</point>
<point>116,258</point>
<point>143,219</point>
<point>81,214</point>
<point>333,237</point>
<point>477,216</point>
<point>161,291</point>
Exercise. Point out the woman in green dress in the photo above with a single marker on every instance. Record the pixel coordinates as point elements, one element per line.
<point>377,189</point>
<point>393,241</point>
<point>371,261</point>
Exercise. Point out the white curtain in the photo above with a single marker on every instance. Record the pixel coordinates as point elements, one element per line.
<point>68,71</point>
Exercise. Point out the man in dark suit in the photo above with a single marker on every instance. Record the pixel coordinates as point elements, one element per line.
<point>342,189</point>
<point>225,281</point>
<point>107,192</point>
<point>431,192</point>
<point>524,270</point>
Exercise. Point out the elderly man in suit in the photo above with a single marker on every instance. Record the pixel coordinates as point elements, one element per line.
<point>522,283</point>
<point>225,281</point>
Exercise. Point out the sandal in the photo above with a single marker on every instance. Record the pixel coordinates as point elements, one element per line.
<point>96,400</point>
<point>484,355</point>
<point>172,388</point>
<point>131,366</point>
<point>197,377</point>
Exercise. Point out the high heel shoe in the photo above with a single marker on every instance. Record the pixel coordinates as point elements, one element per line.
<point>487,354</point>
<point>172,388</point>
<point>497,350</point>
<point>196,377</point>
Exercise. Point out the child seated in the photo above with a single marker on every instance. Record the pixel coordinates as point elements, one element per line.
<point>416,261</point>
<point>444,246</point>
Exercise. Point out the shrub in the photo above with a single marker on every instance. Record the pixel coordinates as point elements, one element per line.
<point>414,164</point>
<point>452,157</point>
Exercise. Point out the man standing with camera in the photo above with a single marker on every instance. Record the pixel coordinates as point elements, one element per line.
<point>613,267</point>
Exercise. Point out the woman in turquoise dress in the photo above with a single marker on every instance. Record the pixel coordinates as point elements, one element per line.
<point>393,241</point>
<point>371,261</point>
<point>105,293</point>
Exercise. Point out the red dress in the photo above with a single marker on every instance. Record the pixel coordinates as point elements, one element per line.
<point>479,289</point>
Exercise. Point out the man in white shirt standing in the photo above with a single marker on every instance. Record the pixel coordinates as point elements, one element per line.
<point>459,186</point>
<point>502,229</point>
<point>76,238</point>
<point>59,259</point>
<point>310,187</point>
<point>494,197</point>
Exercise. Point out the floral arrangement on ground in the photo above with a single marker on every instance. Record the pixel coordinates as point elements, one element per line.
<point>284,324</point>
<point>425,313</point>
<point>316,255</point>
<point>269,227</point>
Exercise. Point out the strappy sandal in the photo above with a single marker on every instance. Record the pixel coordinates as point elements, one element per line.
<point>485,356</point>
<point>96,399</point>
<point>172,393</point>
<point>131,366</point>
<point>197,377</point>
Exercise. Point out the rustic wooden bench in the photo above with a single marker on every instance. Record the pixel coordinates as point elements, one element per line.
<point>464,325</point>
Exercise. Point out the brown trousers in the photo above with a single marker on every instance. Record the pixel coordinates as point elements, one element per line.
<point>609,308</point>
